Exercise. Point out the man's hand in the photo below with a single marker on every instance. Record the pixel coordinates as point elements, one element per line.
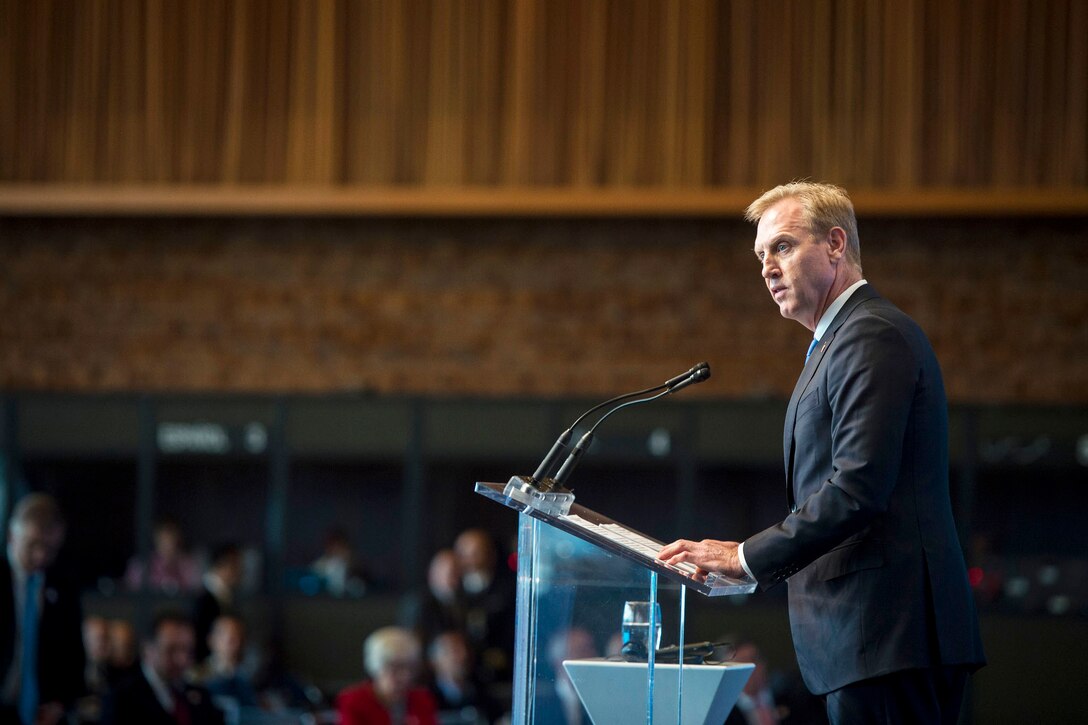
<point>709,555</point>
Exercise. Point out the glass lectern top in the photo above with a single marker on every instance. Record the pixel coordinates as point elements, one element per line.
<point>623,541</point>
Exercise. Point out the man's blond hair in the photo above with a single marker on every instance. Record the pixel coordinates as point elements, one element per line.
<point>824,205</point>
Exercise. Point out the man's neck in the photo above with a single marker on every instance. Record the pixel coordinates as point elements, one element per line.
<point>832,309</point>
<point>845,276</point>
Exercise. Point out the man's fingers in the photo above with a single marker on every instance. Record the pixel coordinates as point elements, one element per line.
<point>670,550</point>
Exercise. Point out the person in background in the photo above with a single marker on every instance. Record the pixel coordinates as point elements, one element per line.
<point>221,583</point>
<point>459,696</point>
<point>169,569</point>
<point>222,673</point>
<point>769,698</point>
<point>41,638</point>
<point>96,643</point>
<point>158,693</point>
<point>442,607</point>
<point>337,568</point>
<point>392,658</point>
<point>489,604</point>
<point>562,704</point>
<point>123,658</point>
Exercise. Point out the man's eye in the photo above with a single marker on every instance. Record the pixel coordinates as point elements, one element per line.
<point>782,246</point>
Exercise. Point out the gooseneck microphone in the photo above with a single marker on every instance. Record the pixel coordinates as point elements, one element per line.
<point>546,492</point>
<point>547,466</point>
<point>697,374</point>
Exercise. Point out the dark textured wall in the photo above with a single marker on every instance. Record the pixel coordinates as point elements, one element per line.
<point>508,307</point>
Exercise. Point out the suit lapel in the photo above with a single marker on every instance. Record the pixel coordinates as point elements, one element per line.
<point>862,294</point>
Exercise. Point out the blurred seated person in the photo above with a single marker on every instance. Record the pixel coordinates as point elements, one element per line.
<point>123,657</point>
<point>96,645</point>
<point>217,596</point>
<point>392,658</point>
<point>442,607</point>
<point>169,569</point>
<point>489,598</point>
<point>337,568</point>
<point>459,697</point>
<point>562,705</point>
<point>222,673</point>
<point>767,700</point>
<point>158,693</point>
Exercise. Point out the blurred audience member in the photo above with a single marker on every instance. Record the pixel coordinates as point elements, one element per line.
<point>169,569</point>
<point>157,693</point>
<point>41,639</point>
<point>96,644</point>
<point>339,572</point>
<point>756,704</point>
<point>442,607</point>
<point>124,659</point>
<point>489,601</point>
<point>217,597</point>
<point>392,658</point>
<point>460,698</point>
<point>771,699</point>
<point>222,673</point>
<point>563,704</point>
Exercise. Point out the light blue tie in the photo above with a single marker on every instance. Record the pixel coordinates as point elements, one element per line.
<point>811,347</point>
<point>28,689</point>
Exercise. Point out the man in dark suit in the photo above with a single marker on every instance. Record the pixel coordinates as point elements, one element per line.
<point>41,639</point>
<point>883,621</point>
<point>157,693</point>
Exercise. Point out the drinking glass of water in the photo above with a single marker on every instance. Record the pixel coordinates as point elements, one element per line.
<point>636,629</point>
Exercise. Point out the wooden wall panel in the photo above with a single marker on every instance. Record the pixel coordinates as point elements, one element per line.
<point>689,94</point>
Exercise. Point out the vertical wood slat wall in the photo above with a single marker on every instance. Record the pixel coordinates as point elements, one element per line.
<point>893,94</point>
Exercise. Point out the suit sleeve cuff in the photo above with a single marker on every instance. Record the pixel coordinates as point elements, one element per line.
<point>743,563</point>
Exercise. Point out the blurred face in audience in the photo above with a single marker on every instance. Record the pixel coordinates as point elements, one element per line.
<point>170,654</point>
<point>167,541</point>
<point>230,570</point>
<point>450,657</point>
<point>96,639</point>
<point>226,640</point>
<point>395,678</point>
<point>444,575</point>
<point>34,546</point>
<point>122,644</point>
<point>475,552</point>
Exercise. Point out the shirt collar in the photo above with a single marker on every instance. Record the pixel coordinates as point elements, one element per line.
<point>833,309</point>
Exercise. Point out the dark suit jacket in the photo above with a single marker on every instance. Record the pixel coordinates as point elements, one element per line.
<point>134,703</point>
<point>60,638</point>
<point>877,581</point>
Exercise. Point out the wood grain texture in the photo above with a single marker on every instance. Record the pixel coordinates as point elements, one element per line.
<point>892,96</point>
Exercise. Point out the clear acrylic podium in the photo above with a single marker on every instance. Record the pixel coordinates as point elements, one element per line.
<point>575,573</point>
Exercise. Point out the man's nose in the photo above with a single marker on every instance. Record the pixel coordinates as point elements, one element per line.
<point>770,269</point>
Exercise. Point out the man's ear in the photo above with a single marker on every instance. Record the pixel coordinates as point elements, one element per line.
<point>836,243</point>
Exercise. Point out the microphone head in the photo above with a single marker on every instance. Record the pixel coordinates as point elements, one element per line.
<point>697,374</point>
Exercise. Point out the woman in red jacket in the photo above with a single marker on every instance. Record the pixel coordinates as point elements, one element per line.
<point>392,656</point>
